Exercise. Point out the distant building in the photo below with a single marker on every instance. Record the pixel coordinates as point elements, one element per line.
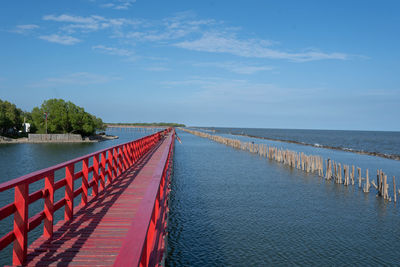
<point>26,127</point>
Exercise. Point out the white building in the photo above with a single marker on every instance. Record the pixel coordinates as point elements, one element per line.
<point>26,127</point>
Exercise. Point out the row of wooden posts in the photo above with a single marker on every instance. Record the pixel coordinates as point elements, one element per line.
<point>312,164</point>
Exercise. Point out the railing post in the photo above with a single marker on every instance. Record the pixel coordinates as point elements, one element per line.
<point>134,151</point>
<point>21,201</point>
<point>48,205</point>
<point>117,158</point>
<point>115,162</point>
<point>69,192</point>
<point>140,148</point>
<point>110,165</point>
<point>85,181</point>
<point>128,154</point>
<point>103,171</point>
<point>95,188</point>
<point>143,259</point>
<point>121,159</point>
<point>150,235</point>
<point>125,158</point>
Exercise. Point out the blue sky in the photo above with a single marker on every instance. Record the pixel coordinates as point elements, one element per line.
<point>268,64</point>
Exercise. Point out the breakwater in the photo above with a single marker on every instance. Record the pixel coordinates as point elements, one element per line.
<point>384,144</point>
<point>337,172</point>
<point>361,152</point>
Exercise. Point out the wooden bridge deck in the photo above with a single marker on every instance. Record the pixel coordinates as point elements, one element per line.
<point>98,230</point>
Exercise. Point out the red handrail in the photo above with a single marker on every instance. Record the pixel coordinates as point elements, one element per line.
<point>116,159</point>
<point>144,242</point>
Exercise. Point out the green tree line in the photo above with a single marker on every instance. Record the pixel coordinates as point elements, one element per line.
<point>62,117</point>
<point>10,118</point>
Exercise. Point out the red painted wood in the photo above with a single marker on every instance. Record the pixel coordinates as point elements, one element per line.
<point>69,192</point>
<point>95,237</point>
<point>7,211</point>
<point>95,175</point>
<point>35,196</point>
<point>49,205</point>
<point>35,221</point>
<point>59,184</point>
<point>103,171</point>
<point>6,240</point>
<point>110,165</point>
<point>85,181</point>
<point>122,159</point>
<point>138,242</point>
<point>21,200</point>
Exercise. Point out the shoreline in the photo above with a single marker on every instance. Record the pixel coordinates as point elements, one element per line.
<point>90,139</point>
<point>376,154</point>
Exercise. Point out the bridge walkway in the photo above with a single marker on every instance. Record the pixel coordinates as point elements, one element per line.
<point>98,230</point>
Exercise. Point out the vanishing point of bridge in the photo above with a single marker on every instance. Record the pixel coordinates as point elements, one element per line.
<point>120,218</point>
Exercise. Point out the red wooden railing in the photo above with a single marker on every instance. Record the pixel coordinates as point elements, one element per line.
<point>144,242</point>
<point>107,165</point>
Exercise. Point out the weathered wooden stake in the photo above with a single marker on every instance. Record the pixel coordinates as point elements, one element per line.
<point>394,189</point>
<point>367,185</point>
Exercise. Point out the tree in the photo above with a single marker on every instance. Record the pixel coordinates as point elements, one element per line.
<point>10,118</point>
<point>65,117</point>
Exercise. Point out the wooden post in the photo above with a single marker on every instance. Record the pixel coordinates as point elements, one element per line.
<point>352,175</point>
<point>111,165</point>
<point>69,192</point>
<point>103,171</point>
<point>377,181</point>
<point>359,177</point>
<point>85,181</point>
<point>116,166</point>
<point>385,187</point>
<point>394,190</point>
<point>48,205</point>
<point>95,188</point>
<point>21,201</point>
<point>335,169</point>
<point>367,185</point>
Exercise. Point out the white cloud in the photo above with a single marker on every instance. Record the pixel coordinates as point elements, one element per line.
<point>60,39</point>
<point>73,19</point>
<point>176,27</point>
<point>186,31</point>
<point>159,68</point>
<point>89,23</point>
<point>26,28</point>
<point>112,50</point>
<point>239,68</point>
<point>78,78</point>
<point>119,4</point>
<point>217,43</point>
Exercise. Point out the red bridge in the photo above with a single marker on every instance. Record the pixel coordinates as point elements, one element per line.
<point>121,223</point>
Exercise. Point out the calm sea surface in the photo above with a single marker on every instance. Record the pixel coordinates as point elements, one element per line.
<point>230,207</point>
